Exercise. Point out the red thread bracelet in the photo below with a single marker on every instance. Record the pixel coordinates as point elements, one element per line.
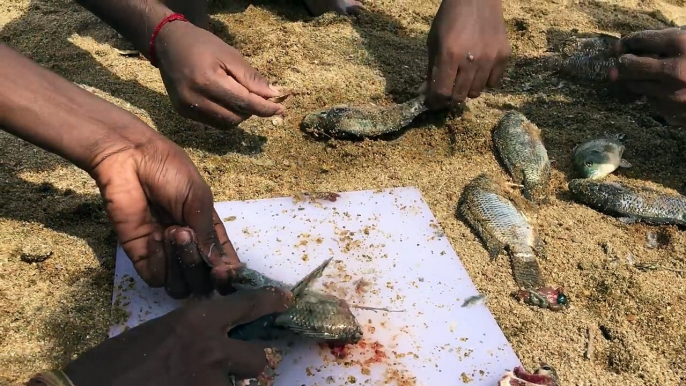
<point>170,18</point>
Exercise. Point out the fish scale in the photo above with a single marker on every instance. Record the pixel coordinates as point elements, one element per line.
<point>630,203</point>
<point>525,157</point>
<point>500,224</point>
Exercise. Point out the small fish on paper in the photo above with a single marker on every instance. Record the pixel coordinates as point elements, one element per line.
<point>474,300</point>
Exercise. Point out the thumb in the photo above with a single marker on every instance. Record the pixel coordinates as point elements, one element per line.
<point>198,213</point>
<point>244,307</point>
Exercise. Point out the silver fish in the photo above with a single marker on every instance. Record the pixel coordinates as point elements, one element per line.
<point>585,58</point>
<point>362,121</point>
<point>313,314</point>
<point>500,224</point>
<point>597,158</point>
<point>629,202</point>
<point>519,145</point>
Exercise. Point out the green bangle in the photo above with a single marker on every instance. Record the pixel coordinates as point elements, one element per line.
<point>52,378</point>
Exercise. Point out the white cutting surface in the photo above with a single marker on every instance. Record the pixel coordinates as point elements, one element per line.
<point>389,238</point>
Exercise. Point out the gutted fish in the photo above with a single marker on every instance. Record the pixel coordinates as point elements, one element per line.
<point>313,314</point>
<point>586,58</point>
<point>597,158</point>
<point>501,225</point>
<point>518,142</point>
<point>362,121</point>
<point>629,202</point>
<point>543,376</point>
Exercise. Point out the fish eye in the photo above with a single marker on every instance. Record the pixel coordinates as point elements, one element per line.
<point>562,299</point>
<point>588,164</point>
<point>546,368</point>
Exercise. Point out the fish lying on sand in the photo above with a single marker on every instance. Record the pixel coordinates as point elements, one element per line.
<point>501,225</point>
<point>363,121</point>
<point>585,58</point>
<point>543,376</point>
<point>630,203</point>
<point>518,142</point>
<point>597,158</point>
<point>313,314</point>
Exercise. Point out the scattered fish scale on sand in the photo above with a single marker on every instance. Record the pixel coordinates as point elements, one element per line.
<point>519,145</point>
<point>630,202</point>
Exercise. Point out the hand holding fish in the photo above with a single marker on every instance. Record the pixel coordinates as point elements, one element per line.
<point>653,63</point>
<point>188,346</point>
<point>468,50</point>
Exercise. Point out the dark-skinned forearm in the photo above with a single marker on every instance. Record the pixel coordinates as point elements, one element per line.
<point>134,19</point>
<point>50,112</point>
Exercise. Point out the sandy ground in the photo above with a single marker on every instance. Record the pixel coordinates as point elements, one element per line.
<point>56,247</point>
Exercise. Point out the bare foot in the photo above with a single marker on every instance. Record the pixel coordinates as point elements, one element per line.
<point>344,7</point>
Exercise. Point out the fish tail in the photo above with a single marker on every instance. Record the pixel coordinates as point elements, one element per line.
<point>526,270</point>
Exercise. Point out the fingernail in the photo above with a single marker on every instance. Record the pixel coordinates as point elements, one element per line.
<point>182,237</point>
<point>275,88</point>
<point>157,236</point>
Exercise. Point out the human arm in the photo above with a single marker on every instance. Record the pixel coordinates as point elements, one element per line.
<point>653,63</point>
<point>468,50</point>
<point>206,79</point>
<point>188,346</point>
<point>149,185</point>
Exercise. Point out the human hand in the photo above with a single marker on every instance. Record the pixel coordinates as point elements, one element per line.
<point>468,50</point>
<point>209,81</point>
<point>653,63</point>
<point>188,346</point>
<point>163,214</point>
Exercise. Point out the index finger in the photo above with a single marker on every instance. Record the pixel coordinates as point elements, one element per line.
<point>441,81</point>
<point>632,67</point>
<point>233,96</point>
<point>246,306</point>
<point>666,42</point>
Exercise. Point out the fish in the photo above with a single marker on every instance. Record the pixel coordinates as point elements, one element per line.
<point>597,158</point>
<point>474,300</point>
<point>630,203</point>
<point>313,314</point>
<point>344,121</point>
<point>501,225</point>
<point>545,375</point>
<point>518,143</point>
<point>587,58</point>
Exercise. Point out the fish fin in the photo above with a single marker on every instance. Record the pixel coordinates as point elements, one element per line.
<point>539,248</point>
<point>495,248</point>
<point>628,220</point>
<point>624,163</point>
<point>305,282</point>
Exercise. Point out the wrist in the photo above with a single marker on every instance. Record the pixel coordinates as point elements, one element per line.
<point>52,113</point>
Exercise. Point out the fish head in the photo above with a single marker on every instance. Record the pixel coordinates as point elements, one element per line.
<point>545,375</point>
<point>315,119</point>
<point>596,164</point>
